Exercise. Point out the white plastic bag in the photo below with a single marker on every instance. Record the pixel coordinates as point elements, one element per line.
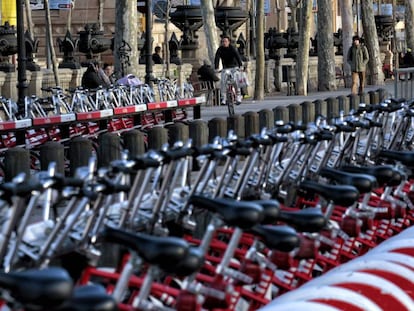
<point>241,80</point>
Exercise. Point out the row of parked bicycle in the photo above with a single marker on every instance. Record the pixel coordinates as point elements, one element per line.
<point>230,225</point>
<point>80,100</point>
<point>82,112</point>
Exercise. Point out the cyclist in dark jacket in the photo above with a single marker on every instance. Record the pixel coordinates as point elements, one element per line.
<point>230,58</point>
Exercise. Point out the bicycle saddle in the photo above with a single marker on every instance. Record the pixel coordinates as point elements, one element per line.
<point>385,175</point>
<point>45,289</point>
<point>398,100</point>
<point>20,189</point>
<point>344,195</point>
<point>363,182</point>
<point>282,238</point>
<point>90,298</point>
<point>258,140</point>
<point>160,251</point>
<point>123,166</point>
<point>239,150</point>
<point>176,154</point>
<point>271,210</point>
<point>61,182</point>
<point>190,264</point>
<point>144,162</point>
<point>304,220</point>
<point>207,149</point>
<point>278,139</point>
<point>405,157</point>
<point>241,214</point>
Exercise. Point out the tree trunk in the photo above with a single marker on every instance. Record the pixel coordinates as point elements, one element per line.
<point>293,23</point>
<point>347,33</point>
<point>100,14</point>
<point>260,57</point>
<point>165,45</point>
<point>326,52</point>
<point>375,76</point>
<point>409,23</point>
<point>302,61</point>
<point>50,42</point>
<point>69,20</point>
<point>209,24</point>
<point>126,40</point>
<point>30,25</point>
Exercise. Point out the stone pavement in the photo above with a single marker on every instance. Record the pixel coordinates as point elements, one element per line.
<point>281,99</point>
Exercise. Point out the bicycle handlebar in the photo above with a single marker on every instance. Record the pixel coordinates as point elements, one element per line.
<point>52,89</point>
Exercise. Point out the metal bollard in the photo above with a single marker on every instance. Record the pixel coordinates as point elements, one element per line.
<point>354,101</point>
<point>374,98</point>
<point>109,149</point>
<point>251,122</point>
<point>266,119</point>
<point>333,107</point>
<point>177,131</point>
<point>16,161</point>
<point>321,107</point>
<point>364,98</point>
<point>198,132</point>
<point>343,104</point>
<point>383,94</point>
<point>52,151</point>
<point>281,113</point>
<point>295,113</point>
<point>237,124</point>
<point>157,137</point>
<point>134,142</point>
<point>308,112</point>
<point>217,127</point>
<point>80,152</point>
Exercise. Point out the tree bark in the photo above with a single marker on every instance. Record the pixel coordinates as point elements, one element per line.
<point>375,74</point>
<point>69,20</point>
<point>100,14</point>
<point>326,52</point>
<point>30,25</point>
<point>260,56</point>
<point>302,61</point>
<point>50,42</point>
<point>209,24</point>
<point>347,33</point>
<point>126,40</point>
<point>293,23</point>
<point>409,23</point>
<point>165,45</point>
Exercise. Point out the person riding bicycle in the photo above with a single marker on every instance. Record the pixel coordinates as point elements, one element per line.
<point>230,58</point>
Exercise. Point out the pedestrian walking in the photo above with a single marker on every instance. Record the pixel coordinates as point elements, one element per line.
<point>358,58</point>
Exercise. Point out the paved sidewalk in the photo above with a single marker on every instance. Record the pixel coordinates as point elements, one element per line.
<point>281,99</point>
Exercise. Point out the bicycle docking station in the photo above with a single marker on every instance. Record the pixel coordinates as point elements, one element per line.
<point>136,113</point>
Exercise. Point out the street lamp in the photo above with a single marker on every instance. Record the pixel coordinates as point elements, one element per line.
<point>21,57</point>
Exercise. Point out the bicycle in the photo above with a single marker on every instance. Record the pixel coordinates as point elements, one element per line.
<point>229,79</point>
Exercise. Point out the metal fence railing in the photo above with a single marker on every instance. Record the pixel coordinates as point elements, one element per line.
<point>404,83</point>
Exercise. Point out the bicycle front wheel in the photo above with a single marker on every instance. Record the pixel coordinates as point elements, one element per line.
<point>231,99</point>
